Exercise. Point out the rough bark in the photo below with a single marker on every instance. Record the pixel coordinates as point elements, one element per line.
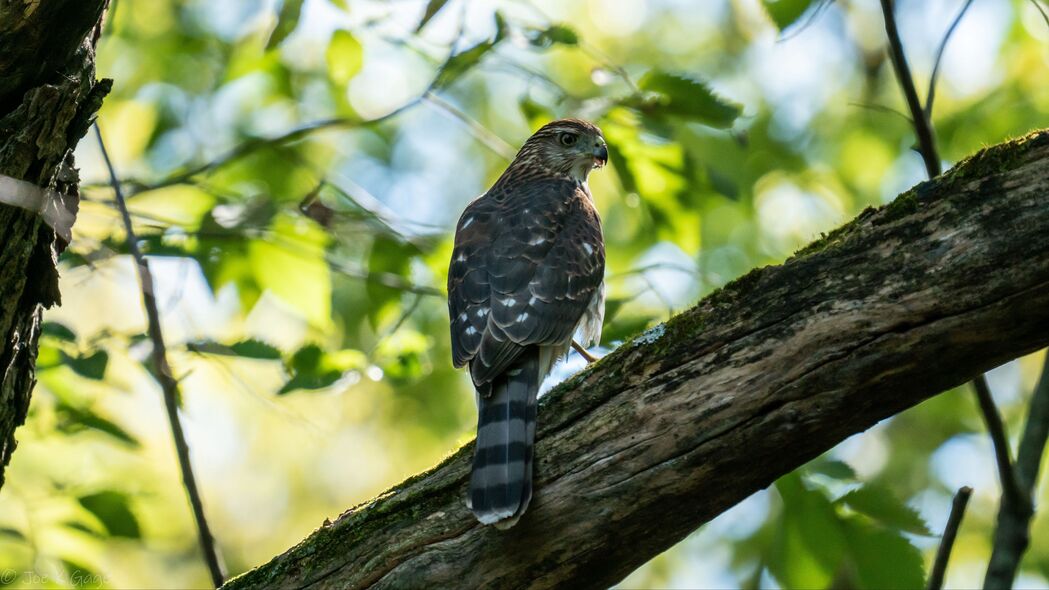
<point>48,96</point>
<point>675,427</point>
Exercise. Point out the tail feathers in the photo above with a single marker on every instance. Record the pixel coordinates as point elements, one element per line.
<point>501,482</point>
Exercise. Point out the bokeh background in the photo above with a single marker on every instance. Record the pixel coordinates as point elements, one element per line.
<point>295,171</point>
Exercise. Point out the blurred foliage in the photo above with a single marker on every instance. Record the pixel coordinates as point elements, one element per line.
<point>296,169</point>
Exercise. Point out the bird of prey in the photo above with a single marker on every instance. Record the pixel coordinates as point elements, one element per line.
<point>527,274</point>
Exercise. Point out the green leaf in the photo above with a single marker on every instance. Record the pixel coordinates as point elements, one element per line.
<point>291,263</point>
<point>460,63</point>
<point>682,96</point>
<point>883,506</point>
<point>502,28</point>
<point>287,20</point>
<point>622,168</point>
<point>251,349</point>
<point>555,34</point>
<point>882,558</point>
<point>11,534</point>
<point>80,576</point>
<point>785,12</point>
<point>112,510</point>
<point>432,8</point>
<point>72,419</point>
<point>809,544</point>
<point>313,368</point>
<point>344,56</point>
<point>92,366</point>
<point>833,469</point>
<point>389,256</point>
<point>58,331</point>
<point>92,529</point>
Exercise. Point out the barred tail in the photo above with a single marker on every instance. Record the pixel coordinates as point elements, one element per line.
<point>501,482</point>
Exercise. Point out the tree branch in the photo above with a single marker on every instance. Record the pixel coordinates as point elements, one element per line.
<point>163,373</point>
<point>950,533</point>
<point>926,143</point>
<point>931,95</point>
<point>696,414</point>
<point>48,95</point>
<point>1014,517</point>
<point>1011,490</point>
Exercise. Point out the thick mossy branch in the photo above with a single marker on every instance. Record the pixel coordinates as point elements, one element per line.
<point>691,417</point>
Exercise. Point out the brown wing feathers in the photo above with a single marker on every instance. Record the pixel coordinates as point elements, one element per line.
<point>523,270</point>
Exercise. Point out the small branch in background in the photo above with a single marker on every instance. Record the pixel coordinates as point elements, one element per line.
<point>490,140</point>
<point>950,533</point>
<point>922,129</point>
<point>1012,535</point>
<point>1038,5</point>
<point>164,375</point>
<point>931,96</point>
<point>881,109</point>
<point>1011,490</point>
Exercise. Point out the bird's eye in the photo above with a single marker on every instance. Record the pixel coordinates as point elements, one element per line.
<point>568,138</point>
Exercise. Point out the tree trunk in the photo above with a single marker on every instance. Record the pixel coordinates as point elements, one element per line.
<point>680,424</point>
<point>48,96</point>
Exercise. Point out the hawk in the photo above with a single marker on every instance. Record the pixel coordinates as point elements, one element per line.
<point>527,274</point>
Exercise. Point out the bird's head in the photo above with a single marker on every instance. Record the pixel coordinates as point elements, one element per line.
<point>571,147</point>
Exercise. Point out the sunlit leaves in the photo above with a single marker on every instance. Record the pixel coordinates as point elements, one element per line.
<point>311,367</point>
<point>809,543</point>
<point>287,20</point>
<point>390,257</point>
<point>249,349</point>
<point>672,94</point>
<point>292,265</point>
<point>553,35</point>
<point>72,419</point>
<point>404,356</point>
<point>785,12</point>
<point>344,57</point>
<point>91,365</point>
<point>817,545</point>
<point>881,558</point>
<point>58,331</point>
<point>882,505</point>
<point>114,513</point>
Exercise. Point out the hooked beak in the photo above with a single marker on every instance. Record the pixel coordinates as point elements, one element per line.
<point>600,155</point>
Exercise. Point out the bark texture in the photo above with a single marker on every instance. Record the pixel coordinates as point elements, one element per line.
<point>680,424</point>
<point>48,96</point>
<point>675,427</point>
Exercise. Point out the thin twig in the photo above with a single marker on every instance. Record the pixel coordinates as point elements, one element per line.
<point>931,96</point>
<point>1038,5</point>
<point>922,129</point>
<point>490,140</point>
<point>1013,534</point>
<point>881,109</point>
<point>950,533</point>
<point>1006,473</point>
<point>164,375</point>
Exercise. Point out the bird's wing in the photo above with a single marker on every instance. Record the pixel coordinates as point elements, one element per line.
<point>527,262</point>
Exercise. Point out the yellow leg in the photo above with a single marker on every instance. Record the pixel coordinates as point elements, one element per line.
<point>583,353</point>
